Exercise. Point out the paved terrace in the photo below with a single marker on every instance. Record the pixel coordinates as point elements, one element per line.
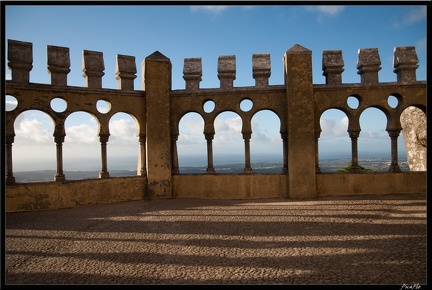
<point>335,240</point>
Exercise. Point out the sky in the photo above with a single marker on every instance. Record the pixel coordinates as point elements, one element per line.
<point>184,31</point>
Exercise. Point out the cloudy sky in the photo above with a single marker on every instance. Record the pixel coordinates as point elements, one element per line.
<point>183,31</point>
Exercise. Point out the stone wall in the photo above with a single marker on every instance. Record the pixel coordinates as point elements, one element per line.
<point>157,110</point>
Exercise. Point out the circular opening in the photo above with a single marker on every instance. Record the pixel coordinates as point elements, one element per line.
<point>246,105</point>
<point>10,103</point>
<point>353,102</point>
<point>103,106</point>
<point>58,105</point>
<point>209,106</point>
<point>392,101</point>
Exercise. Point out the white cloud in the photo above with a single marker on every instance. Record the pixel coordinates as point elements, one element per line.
<point>325,10</point>
<point>412,16</point>
<point>213,9</point>
<point>334,128</point>
<point>421,45</point>
<point>82,134</point>
<point>32,132</point>
<point>122,131</point>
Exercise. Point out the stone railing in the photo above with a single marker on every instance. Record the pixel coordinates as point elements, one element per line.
<point>158,109</point>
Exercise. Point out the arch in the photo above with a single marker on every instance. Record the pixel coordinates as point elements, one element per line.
<point>228,143</point>
<point>81,148</point>
<point>123,144</point>
<point>374,144</point>
<point>191,144</point>
<point>34,148</point>
<point>334,141</point>
<point>266,142</point>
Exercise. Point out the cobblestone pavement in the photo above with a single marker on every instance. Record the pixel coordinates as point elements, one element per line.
<point>335,240</point>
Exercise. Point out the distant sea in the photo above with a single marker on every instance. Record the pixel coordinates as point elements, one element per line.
<point>227,165</point>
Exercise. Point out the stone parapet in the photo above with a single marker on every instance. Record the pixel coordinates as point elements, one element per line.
<point>405,63</point>
<point>368,65</point>
<point>93,68</point>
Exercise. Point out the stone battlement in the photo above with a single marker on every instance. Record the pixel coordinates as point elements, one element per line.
<point>157,110</point>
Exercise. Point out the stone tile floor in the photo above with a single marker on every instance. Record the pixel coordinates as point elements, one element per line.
<point>368,240</point>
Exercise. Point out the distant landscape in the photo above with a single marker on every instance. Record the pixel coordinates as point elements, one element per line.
<point>273,167</point>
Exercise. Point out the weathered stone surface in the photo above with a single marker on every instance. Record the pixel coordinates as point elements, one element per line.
<point>368,64</point>
<point>413,122</point>
<point>332,66</point>
<point>58,64</point>
<point>125,72</point>
<point>20,60</point>
<point>227,71</point>
<point>261,69</point>
<point>192,73</point>
<point>405,63</point>
<point>93,68</point>
<point>158,110</point>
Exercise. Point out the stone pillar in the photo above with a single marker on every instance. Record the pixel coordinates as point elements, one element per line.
<point>142,155</point>
<point>261,69</point>
<point>300,123</point>
<point>125,72</point>
<point>175,166</point>
<point>59,136</point>
<point>209,137</point>
<point>355,168</point>
<point>284,137</point>
<point>247,137</point>
<point>157,85</point>
<point>10,179</point>
<point>93,67</point>
<point>103,138</point>
<point>192,73</point>
<point>227,71</point>
<point>58,64</point>
<point>20,60</point>
<point>368,65</point>
<point>332,66</point>
<point>317,168</point>
<point>405,63</point>
<point>394,166</point>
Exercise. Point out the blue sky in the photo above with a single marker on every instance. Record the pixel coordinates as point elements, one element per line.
<point>181,32</point>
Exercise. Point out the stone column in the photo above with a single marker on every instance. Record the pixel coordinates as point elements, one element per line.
<point>20,60</point>
<point>142,156</point>
<point>58,64</point>
<point>59,136</point>
<point>394,166</point>
<point>368,65</point>
<point>317,168</point>
<point>247,137</point>
<point>227,71</point>
<point>93,67</point>
<point>209,137</point>
<point>103,138</point>
<point>261,69</point>
<point>284,137</point>
<point>175,166</point>
<point>355,168</point>
<point>332,66</point>
<point>10,179</point>
<point>157,87</point>
<point>405,63</point>
<point>125,72</point>
<point>300,123</point>
<point>192,73</point>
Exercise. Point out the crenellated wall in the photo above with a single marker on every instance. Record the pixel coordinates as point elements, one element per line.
<point>157,110</point>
